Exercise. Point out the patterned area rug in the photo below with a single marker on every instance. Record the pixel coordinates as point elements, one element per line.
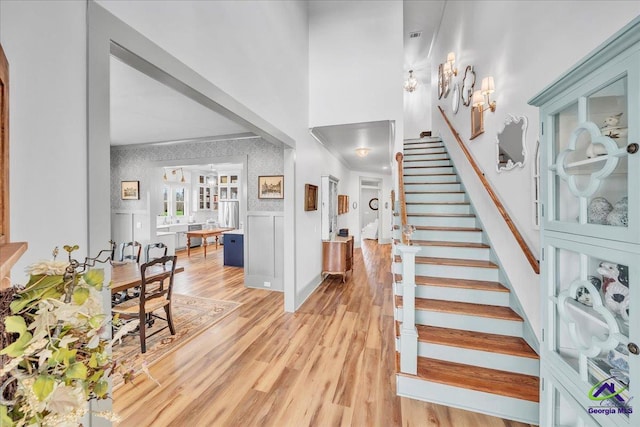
<point>191,316</point>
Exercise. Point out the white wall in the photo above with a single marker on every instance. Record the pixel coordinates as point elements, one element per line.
<point>524,45</point>
<point>45,43</point>
<point>417,111</point>
<point>355,62</point>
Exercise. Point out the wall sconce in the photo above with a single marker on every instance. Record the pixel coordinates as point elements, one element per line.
<point>450,66</point>
<point>362,151</point>
<point>411,83</point>
<point>482,96</point>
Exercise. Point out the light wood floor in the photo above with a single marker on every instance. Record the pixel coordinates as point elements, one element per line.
<point>329,364</point>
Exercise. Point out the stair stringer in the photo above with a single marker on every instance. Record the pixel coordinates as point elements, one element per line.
<point>528,333</point>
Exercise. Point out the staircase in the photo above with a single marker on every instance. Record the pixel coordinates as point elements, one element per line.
<point>452,306</point>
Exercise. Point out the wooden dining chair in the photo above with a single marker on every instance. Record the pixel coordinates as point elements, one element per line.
<point>154,247</point>
<point>130,251</point>
<point>155,293</point>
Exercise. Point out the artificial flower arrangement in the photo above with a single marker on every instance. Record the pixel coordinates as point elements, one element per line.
<point>60,359</point>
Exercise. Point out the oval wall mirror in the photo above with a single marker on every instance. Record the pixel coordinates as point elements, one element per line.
<point>468,82</point>
<point>511,147</point>
<point>455,98</point>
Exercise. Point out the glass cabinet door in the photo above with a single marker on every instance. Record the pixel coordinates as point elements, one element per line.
<point>593,166</point>
<point>592,333</point>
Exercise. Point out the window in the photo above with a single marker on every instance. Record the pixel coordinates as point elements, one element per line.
<point>174,201</point>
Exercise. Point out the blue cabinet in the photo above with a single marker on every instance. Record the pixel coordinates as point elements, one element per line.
<point>589,171</point>
<point>233,249</point>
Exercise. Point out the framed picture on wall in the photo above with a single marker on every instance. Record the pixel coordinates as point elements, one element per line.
<point>310,197</point>
<point>130,190</point>
<point>271,187</point>
<point>477,124</point>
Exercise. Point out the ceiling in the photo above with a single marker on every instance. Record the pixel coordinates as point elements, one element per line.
<point>342,141</point>
<point>143,110</point>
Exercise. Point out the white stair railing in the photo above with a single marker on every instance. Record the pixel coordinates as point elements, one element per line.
<point>408,331</point>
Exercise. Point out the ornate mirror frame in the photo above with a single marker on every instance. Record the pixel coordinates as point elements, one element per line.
<point>468,83</point>
<point>512,124</point>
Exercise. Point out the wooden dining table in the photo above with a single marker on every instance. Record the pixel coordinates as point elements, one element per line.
<point>204,234</point>
<point>127,275</point>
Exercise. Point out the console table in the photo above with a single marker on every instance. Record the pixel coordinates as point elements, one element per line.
<point>337,256</point>
<point>215,232</point>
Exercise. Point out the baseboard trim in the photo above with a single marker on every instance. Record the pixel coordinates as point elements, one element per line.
<point>312,285</point>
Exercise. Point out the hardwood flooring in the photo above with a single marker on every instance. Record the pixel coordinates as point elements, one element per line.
<point>332,363</point>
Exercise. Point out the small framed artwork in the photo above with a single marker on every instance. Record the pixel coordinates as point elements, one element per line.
<point>477,125</point>
<point>271,187</point>
<point>130,190</point>
<point>310,197</point>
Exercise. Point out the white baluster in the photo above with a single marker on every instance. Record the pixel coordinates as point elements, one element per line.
<point>408,331</point>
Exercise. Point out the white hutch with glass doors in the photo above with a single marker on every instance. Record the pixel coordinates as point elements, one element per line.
<point>590,201</point>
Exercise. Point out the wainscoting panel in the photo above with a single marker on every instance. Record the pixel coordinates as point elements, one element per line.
<point>264,261</point>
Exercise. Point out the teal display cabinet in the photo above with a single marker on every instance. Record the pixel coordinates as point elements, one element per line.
<point>590,242</point>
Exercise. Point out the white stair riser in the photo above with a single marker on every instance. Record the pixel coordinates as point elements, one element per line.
<point>435,197</point>
<point>426,163</point>
<point>429,171</point>
<point>480,254</point>
<point>438,208</point>
<point>448,236</point>
<point>485,403</point>
<point>432,187</point>
<point>469,323</point>
<point>429,179</point>
<point>502,362</point>
<point>457,272</point>
<point>422,149</point>
<point>431,154</point>
<point>458,294</point>
<point>443,221</point>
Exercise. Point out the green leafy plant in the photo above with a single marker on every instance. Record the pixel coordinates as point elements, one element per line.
<point>60,359</point>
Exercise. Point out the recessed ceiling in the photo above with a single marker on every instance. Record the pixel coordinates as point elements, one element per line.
<point>143,110</point>
<point>342,141</point>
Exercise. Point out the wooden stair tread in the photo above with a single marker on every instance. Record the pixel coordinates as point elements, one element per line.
<point>427,167</point>
<point>464,308</point>
<point>448,282</point>
<point>481,341</point>
<point>432,183</point>
<point>493,381</point>
<point>424,154</point>
<point>457,262</point>
<point>426,160</point>
<point>435,215</point>
<point>430,174</point>
<point>429,228</point>
<point>447,244</point>
<point>434,192</point>
<point>438,203</point>
<point>425,148</point>
<point>439,141</point>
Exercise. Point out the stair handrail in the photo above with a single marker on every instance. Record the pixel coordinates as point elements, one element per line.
<point>533,261</point>
<point>403,201</point>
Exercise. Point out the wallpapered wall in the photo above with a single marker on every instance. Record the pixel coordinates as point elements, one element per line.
<point>131,163</point>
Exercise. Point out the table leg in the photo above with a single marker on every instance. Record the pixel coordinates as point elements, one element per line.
<point>188,245</point>
<point>204,245</point>
<point>216,243</point>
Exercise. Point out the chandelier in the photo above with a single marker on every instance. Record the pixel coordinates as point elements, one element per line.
<point>411,83</point>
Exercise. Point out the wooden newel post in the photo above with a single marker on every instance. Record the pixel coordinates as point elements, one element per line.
<point>408,331</point>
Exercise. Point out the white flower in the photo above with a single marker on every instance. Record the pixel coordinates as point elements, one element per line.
<point>51,268</point>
